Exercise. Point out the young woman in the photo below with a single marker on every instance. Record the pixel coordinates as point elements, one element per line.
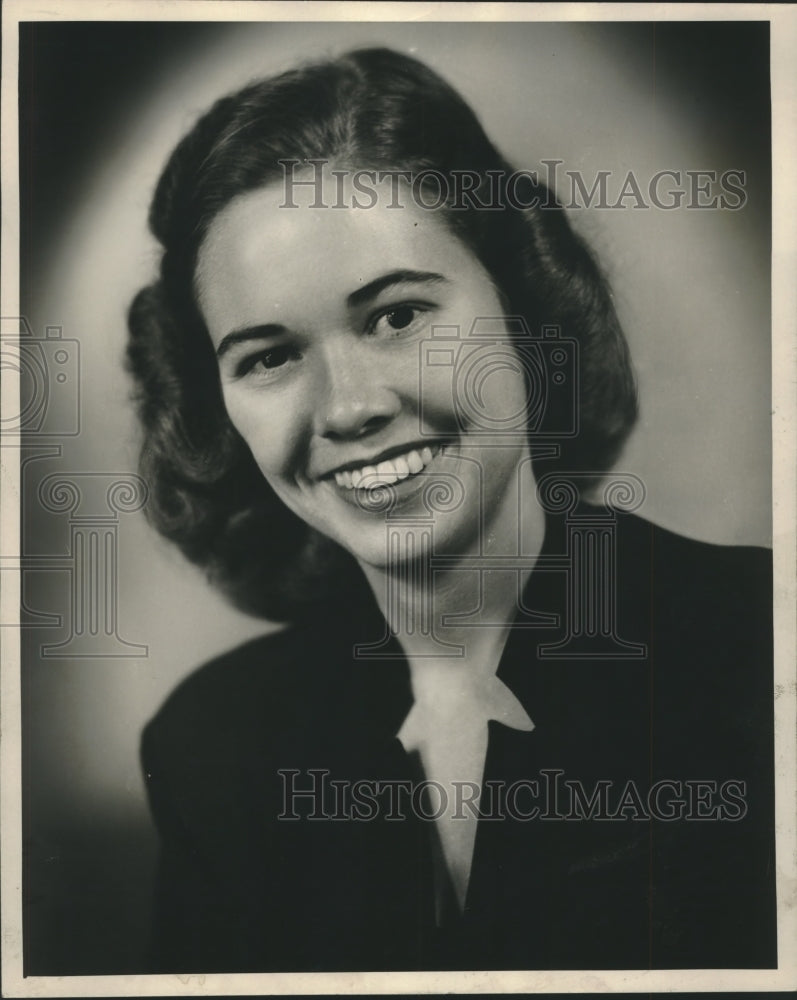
<point>502,728</point>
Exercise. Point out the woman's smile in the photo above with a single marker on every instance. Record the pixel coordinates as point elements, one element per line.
<point>320,322</point>
<point>386,471</point>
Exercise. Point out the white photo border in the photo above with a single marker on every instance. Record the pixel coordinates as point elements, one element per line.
<point>783,22</point>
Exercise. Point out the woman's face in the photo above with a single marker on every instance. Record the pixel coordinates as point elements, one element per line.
<point>322,321</point>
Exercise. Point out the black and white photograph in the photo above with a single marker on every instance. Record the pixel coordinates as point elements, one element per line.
<point>398,517</point>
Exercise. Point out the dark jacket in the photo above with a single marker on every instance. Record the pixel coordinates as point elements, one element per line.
<point>652,753</point>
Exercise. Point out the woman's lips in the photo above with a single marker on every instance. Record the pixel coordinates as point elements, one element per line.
<point>389,472</point>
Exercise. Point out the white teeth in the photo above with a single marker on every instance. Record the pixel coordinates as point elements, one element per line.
<point>388,472</point>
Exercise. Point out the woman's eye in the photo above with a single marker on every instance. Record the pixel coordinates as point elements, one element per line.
<point>268,362</point>
<point>398,319</point>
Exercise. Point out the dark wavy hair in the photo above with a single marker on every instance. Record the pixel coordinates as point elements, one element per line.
<point>370,109</point>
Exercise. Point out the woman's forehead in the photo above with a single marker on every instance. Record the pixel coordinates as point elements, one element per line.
<point>262,250</point>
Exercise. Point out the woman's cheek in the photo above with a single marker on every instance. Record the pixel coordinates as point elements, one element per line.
<point>439,404</point>
<point>268,429</point>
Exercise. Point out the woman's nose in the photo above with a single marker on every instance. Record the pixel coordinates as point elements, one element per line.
<point>356,397</point>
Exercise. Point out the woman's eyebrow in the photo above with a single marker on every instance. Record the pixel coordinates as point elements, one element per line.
<point>235,337</point>
<point>357,298</point>
<point>401,277</point>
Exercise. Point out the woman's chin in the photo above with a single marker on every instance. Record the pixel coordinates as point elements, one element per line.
<point>386,525</point>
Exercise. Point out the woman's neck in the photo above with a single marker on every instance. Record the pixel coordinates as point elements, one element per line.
<point>461,612</point>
